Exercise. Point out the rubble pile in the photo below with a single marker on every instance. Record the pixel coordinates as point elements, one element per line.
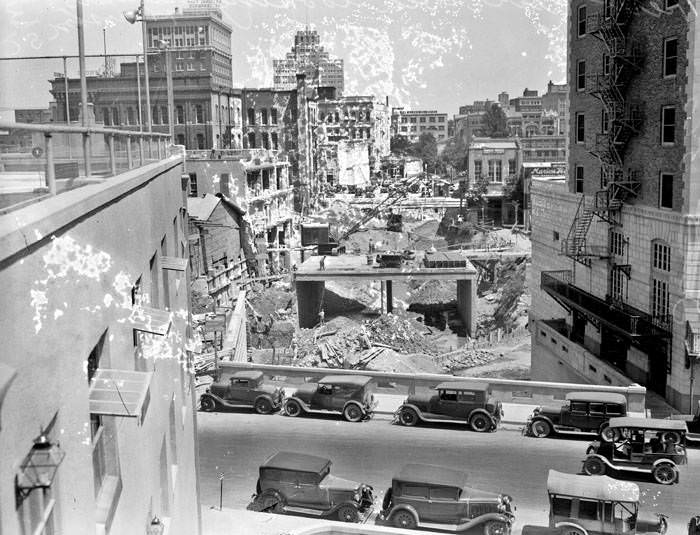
<point>505,306</point>
<point>466,357</point>
<point>432,292</point>
<point>345,343</point>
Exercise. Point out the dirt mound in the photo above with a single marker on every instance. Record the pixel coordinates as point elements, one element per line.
<point>433,292</point>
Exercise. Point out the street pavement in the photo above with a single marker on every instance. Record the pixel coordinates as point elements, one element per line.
<point>234,444</point>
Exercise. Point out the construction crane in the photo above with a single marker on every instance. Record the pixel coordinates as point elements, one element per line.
<point>390,200</point>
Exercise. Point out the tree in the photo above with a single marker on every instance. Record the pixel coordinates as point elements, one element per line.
<point>495,122</point>
<point>455,154</point>
<point>399,144</point>
<point>425,149</point>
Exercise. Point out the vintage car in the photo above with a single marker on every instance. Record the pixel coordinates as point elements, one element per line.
<point>303,484</point>
<point>581,412</point>
<point>581,505</point>
<point>245,388</point>
<point>693,423</point>
<point>642,445</point>
<point>426,496</point>
<point>694,526</point>
<point>453,401</point>
<point>349,395</point>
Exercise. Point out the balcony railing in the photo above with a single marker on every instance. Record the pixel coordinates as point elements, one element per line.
<point>263,155</point>
<point>621,317</point>
<point>30,172</point>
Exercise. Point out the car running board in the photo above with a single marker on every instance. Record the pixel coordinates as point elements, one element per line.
<point>453,528</point>
<point>573,431</point>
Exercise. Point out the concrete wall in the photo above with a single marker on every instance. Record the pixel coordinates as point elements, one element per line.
<point>67,268</point>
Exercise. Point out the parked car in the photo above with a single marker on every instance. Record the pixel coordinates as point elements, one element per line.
<point>453,401</point>
<point>349,395</point>
<point>694,526</point>
<point>300,483</point>
<point>581,505</point>
<point>692,421</point>
<point>427,496</point>
<point>581,412</point>
<point>245,388</point>
<point>642,445</point>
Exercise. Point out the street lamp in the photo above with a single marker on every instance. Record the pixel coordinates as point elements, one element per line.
<point>165,47</point>
<point>39,467</point>
<point>133,17</point>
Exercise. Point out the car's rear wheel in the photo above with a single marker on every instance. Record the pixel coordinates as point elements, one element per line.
<point>403,519</point>
<point>408,416</point>
<point>272,502</point>
<point>664,474</point>
<point>292,408</point>
<point>594,466</point>
<point>571,530</point>
<point>495,527</point>
<point>263,406</point>
<point>348,513</point>
<point>541,428</point>
<point>609,434</point>
<point>480,423</point>
<point>207,404</point>
<point>352,413</point>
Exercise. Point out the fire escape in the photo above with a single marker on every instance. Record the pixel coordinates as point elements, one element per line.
<point>624,120</point>
<point>618,184</point>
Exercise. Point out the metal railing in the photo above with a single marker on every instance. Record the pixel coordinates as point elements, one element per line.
<point>146,140</point>
<point>267,155</point>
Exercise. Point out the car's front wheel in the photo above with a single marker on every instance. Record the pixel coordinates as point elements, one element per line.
<point>263,406</point>
<point>408,417</point>
<point>352,413</point>
<point>496,527</point>
<point>480,423</point>
<point>348,513</point>
<point>207,404</point>
<point>403,519</point>
<point>664,474</point>
<point>271,502</point>
<point>292,408</point>
<point>541,428</point>
<point>594,466</point>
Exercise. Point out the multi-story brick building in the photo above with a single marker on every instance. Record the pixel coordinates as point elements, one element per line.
<point>614,253</point>
<point>308,57</point>
<point>412,123</point>
<point>284,120</point>
<point>206,112</point>
<point>356,117</point>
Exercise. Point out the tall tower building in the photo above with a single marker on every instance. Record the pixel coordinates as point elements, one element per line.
<point>309,57</point>
<point>615,247</point>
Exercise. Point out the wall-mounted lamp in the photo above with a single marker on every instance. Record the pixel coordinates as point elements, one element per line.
<point>39,467</point>
<point>156,527</point>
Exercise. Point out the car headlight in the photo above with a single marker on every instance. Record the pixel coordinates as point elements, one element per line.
<point>357,496</point>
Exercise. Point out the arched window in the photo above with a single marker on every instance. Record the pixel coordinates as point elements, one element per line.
<point>251,116</point>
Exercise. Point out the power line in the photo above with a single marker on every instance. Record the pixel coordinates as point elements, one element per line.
<point>69,56</point>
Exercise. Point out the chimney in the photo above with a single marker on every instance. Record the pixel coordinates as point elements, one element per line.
<point>387,101</point>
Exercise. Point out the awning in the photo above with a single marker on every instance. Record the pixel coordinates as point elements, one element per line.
<point>120,393</point>
<point>151,320</point>
<point>173,263</point>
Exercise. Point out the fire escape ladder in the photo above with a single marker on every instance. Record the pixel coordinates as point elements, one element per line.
<point>575,245</point>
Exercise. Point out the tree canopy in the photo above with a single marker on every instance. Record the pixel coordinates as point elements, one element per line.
<point>495,122</point>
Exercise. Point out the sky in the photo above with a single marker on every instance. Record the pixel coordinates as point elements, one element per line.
<point>423,54</point>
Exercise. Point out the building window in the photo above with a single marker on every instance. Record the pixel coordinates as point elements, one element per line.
<point>668,125</point>
<point>106,471</point>
<point>251,116</point>
<point>604,122</point>
<point>97,355</point>
<point>200,141</point>
<point>155,281</point>
<point>105,116</point>
<point>661,256</point>
<point>617,243</point>
<point>581,21</point>
<point>495,171</point>
<point>130,116</point>
<point>199,114</point>
<point>179,114</point>
<point>670,56</point>
<point>251,140</point>
<point>115,116</point>
<point>478,169</point>
<point>659,298</point>
<point>265,140</point>
<point>190,65</point>
<point>273,115</point>
<point>511,167</point>
<point>155,116</point>
<point>164,114</point>
<point>666,190</point>
<point>193,185</point>
<point>181,139</point>
<point>581,75</point>
<point>579,179</point>
<point>580,128</point>
<point>275,141</point>
<point>179,66</point>
<point>263,116</point>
